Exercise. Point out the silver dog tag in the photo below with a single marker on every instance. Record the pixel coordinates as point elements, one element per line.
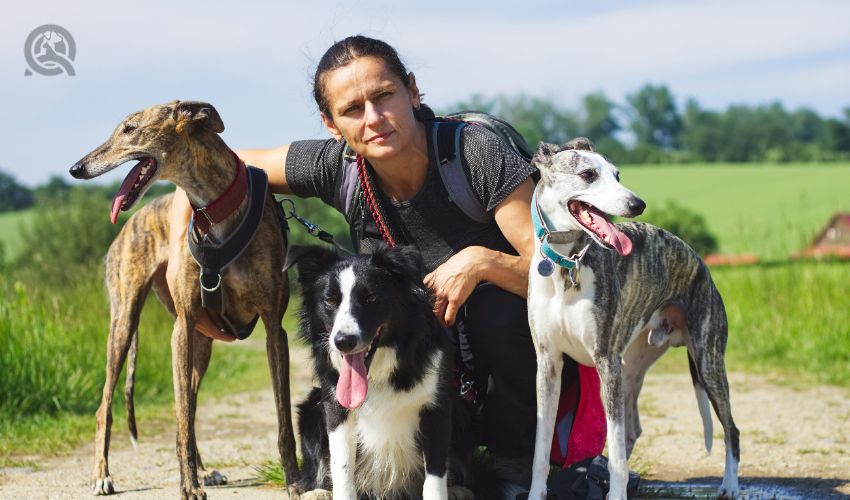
<point>545,267</point>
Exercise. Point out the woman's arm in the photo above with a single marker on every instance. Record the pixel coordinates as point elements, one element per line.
<point>454,280</point>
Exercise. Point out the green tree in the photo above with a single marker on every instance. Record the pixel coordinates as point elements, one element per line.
<point>654,118</point>
<point>13,196</point>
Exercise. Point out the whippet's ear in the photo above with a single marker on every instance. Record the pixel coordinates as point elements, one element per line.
<point>190,114</point>
<point>544,153</point>
<point>580,144</point>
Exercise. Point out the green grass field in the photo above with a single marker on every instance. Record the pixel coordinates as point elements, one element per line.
<point>10,229</point>
<point>770,211</point>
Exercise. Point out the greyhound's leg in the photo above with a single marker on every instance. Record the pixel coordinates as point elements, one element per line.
<point>277,350</point>
<point>550,364</point>
<point>182,340</point>
<point>201,353</point>
<point>122,328</point>
<point>611,378</point>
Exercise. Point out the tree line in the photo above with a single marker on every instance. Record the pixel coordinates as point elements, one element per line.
<point>650,127</point>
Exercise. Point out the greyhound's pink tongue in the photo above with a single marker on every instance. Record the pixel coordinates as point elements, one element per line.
<point>124,190</point>
<point>352,385</point>
<point>611,234</point>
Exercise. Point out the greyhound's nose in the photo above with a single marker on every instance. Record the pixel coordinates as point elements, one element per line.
<point>636,206</point>
<point>345,342</point>
<point>78,170</point>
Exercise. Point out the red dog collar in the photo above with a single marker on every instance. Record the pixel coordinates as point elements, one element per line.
<point>223,206</point>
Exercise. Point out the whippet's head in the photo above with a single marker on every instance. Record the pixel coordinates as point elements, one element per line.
<point>159,139</point>
<point>579,189</point>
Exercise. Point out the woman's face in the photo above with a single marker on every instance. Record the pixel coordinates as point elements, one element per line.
<point>371,108</point>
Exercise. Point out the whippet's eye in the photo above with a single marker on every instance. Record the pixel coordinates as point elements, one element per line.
<point>588,175</point>
<point>128,128</point>
<point>371,299</point>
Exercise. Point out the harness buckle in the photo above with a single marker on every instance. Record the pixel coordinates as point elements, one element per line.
<point>465,385</point>
<point>201,281</point>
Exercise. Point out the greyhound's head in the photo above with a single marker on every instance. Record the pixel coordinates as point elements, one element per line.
<point>580,189</point>
<point>157,138</point>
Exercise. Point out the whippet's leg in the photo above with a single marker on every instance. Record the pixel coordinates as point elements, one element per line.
<point>550,364</point>
<point>123,327</point>
<point>277,350</point>
<point>712,370</point>
<point>611,377</point>
<point>182,341</point>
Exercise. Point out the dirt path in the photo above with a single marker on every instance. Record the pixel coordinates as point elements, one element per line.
<point>794,439</point>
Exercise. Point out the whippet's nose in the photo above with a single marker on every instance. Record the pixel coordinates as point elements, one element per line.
<point>345,342</point>
<point>636,206</point>
<point>78,170</point>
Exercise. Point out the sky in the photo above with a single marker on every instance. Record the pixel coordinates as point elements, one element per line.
<point>253,60</point>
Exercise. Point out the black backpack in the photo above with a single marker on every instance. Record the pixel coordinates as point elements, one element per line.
<point>447,141</point>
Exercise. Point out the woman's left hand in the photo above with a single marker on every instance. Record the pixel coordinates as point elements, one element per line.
<point>453,282</point>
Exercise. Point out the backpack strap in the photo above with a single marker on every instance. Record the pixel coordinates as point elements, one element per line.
<point>447,142</point>
<point>345,184</point>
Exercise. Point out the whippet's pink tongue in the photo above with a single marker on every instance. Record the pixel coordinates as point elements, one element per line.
<point>352,385</point>
<point>611,235</point>
<point>124,190</point>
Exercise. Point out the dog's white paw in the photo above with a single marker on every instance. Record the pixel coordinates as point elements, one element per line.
<point>317,495</point>
<point>460,493</point>
<point>103,486</point>
<point>214,478</point>
<point>727,493</point>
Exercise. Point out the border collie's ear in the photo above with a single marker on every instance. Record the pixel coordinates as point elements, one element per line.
<point>310,261</point>
<point>580,144</point>
<point>403,262</point>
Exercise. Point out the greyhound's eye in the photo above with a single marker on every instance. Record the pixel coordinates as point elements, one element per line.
<point>128,128</point>
<point>588,175</point>
<point>371,298</point>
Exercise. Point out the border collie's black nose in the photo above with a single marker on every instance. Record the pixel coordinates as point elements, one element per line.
<point>636,206</point>
<point>77,171</point>
<point>345,342</point>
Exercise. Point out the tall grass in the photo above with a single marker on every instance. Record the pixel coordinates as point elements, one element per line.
<point>792,317</point>
<point>52,358</point>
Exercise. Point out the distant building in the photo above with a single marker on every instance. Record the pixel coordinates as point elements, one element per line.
<point>832,241</point>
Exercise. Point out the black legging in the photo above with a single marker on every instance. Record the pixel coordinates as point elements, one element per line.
<point>493,327</point>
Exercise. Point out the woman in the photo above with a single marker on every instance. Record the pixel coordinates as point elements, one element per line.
<point>478,272</point>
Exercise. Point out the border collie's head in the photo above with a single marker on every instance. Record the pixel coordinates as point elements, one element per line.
<point>353,304</point>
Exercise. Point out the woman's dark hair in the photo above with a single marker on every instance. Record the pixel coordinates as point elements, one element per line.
<point>349,49</point>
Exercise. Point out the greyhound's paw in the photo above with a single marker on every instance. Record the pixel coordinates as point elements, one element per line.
<point>317,495</point>
<point>214,478</point>
<point>460,493</point>
<point>193,493</point>
<point>103,486</point>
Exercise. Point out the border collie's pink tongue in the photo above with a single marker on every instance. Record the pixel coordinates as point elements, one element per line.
<point>125,189</point>
<point>611,235</point>
<point>352,385</point>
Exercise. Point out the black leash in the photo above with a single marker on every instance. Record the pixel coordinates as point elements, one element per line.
<point>312,228</point>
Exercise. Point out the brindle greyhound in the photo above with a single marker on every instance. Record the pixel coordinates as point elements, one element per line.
<point>618,298</point>
<point>179,142</point>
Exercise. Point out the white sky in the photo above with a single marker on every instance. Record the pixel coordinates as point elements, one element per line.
<point>254,60</point>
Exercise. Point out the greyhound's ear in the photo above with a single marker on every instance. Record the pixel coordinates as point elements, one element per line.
<point>403,262</point>
<point>190,114</point>
<point>581,144</point>
<point>544,153</point>
<point>311,261</point>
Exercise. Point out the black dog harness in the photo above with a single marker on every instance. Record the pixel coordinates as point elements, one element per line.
<point>213,256</point>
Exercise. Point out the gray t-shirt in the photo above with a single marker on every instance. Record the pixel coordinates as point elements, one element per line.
<point>429,220</point>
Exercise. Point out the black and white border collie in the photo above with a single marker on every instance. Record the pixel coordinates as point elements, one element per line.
<point>380,424</point>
